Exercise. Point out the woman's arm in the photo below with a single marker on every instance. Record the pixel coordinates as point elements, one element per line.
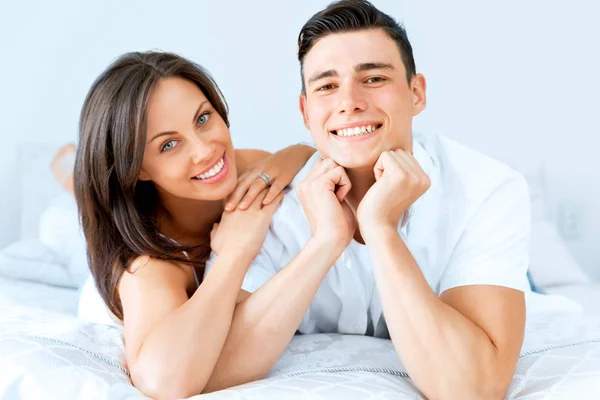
<point>281,167</point>
<point>246,158</point>
<point>172,342</point>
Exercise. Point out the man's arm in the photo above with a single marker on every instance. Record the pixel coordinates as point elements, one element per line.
<point>463,345</point>
<point>265,321</point>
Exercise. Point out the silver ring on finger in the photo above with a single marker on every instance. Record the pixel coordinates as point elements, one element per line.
<point>265,178</point>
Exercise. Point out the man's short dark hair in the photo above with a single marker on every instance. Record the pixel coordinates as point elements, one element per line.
<point>349,16</point>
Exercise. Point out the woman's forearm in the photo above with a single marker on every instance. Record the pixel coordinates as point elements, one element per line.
<point>178,355</point>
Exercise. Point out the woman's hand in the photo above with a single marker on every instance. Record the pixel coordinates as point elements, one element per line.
<point>243,232</point>
<point>280,167</point>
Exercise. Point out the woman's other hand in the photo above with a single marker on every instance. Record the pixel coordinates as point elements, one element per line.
<point>244,231</point>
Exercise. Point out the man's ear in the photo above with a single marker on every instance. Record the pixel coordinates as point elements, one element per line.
<point>302,103</point>
<point>419,93</point>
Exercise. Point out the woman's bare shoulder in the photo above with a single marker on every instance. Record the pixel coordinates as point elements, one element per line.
<point>152,272</point>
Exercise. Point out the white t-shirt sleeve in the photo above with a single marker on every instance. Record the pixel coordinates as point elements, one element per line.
<point>264,266</point>
<point>494,247</point>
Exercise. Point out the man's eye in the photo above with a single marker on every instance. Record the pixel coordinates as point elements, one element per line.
<point>325,87</point>
<point>375,79</point>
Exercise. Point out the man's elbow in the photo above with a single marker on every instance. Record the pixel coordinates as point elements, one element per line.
<point>480,392</point>
<point>488,391</point>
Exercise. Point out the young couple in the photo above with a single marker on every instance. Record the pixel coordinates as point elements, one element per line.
<point>382,232</point>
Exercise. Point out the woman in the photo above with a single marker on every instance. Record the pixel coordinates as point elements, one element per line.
<point>154,166</point>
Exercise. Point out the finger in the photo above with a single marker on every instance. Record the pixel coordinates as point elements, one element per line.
<point>418,172</point>
<point>407,161</point>
<point>274,191</point>
<point>240,190</point>
<point>255,188</point>
<point>385,161</point>
<point>415,173</point>
<point>403,165</point>
<point>272,206</point>
<point>256,204</point>
<point>341,182</point>
<point>321,168</point>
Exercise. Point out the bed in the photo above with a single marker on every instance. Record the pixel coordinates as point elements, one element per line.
<point>46,352</point>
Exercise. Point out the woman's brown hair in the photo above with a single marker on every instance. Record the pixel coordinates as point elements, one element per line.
<point>117,210</point>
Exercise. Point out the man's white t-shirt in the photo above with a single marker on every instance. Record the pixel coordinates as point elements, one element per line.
<point>472,227</point>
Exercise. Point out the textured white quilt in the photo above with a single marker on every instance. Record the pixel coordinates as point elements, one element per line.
<point>51,355</point>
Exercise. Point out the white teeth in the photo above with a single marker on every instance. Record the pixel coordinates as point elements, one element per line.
<point>213,171</point>
<point>357,131</point>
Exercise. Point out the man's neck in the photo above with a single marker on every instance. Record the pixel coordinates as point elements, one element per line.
<point>361,180</point>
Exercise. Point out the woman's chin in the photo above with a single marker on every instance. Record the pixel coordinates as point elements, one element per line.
<point>215,191</point>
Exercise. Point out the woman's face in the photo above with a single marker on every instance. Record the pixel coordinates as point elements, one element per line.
<point>188,152</point>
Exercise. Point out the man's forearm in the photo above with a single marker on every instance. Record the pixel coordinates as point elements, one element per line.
<point>264,323</point>
<point>445,353</point>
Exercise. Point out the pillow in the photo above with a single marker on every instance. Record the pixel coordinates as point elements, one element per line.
<point>60,231</point>
<point>37,184</point>
<point>551,262</point>
<point>32,261</point>
<point>91,307</point>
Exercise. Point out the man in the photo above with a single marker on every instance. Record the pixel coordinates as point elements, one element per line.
<point>415,238</point>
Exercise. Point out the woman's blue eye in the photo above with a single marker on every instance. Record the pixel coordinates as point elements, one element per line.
<point>168,146</point>
<point>202,119</point>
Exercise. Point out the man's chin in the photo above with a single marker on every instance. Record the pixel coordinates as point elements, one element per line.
<point>348,162</point>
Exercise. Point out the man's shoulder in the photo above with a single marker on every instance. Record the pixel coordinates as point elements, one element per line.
<point>466,170</point>
<point>289,223</point>
<point>304,171</point>
<point>290,207</point>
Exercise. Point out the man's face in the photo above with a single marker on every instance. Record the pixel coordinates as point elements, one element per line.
<point>358,102</point>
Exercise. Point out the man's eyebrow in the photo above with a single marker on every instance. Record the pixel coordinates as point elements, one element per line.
<point>358,68</point>
<point>373,65</point>
<point>325,74</point>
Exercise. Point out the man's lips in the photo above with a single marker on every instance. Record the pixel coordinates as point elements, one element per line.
<point>357,129</point>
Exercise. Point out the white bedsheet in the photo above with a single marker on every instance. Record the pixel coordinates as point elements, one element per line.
<point>52,355</point>
<point>18,293</point>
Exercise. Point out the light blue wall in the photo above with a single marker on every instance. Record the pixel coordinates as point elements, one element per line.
<point>515,79</point>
